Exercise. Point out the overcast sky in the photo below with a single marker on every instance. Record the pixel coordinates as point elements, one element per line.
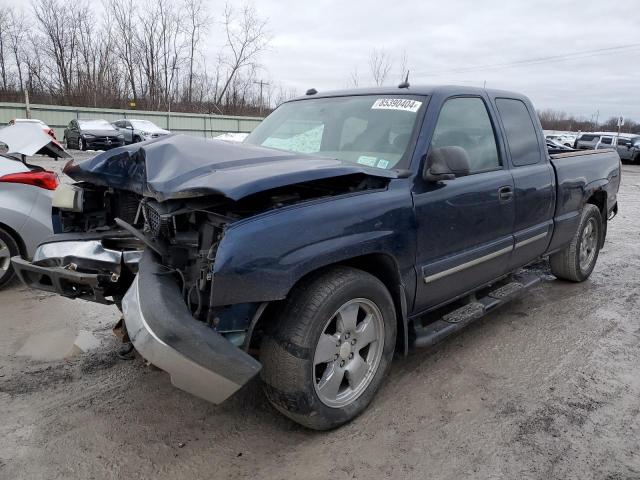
<point>319,43</point>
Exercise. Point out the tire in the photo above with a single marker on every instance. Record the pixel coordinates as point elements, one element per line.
<point>136,139</point>
<point>301,363</point>
<point>576,262</point>
<point>81,145</point>
<point>8,248</point>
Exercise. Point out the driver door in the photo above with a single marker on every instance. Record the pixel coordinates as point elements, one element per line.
<point>465,225</point>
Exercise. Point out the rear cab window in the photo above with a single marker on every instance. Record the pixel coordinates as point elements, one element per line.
<point>521,133</point>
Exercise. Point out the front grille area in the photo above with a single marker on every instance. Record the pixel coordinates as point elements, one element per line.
<point>155,223</point>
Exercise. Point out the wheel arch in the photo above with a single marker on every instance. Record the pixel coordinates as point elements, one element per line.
<point>18,239</point>
<point>381,265</point>
<point>599,199</point>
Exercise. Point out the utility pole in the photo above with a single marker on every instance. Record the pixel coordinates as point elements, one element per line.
<point>262,83</point>
<point>27,106</point>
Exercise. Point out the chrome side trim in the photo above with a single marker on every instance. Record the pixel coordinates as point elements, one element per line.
<point>469,264</point>
<point>535,238</point>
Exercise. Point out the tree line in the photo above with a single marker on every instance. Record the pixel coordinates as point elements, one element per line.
<point>149,54</point>
<point>556,120</point>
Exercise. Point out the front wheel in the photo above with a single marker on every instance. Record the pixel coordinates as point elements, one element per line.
<point>329,351</point>
<point>578,259</point>
<point>80,144</point>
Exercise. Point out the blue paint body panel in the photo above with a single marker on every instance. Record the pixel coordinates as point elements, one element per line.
<point>443,239</point>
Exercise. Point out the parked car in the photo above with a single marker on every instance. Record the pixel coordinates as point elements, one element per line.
<point>24,139</point>
<point>586,141</point>
<point>47,129</point>
<point>25,211</point>
<point>628,147</point>
<point>92,135</point>
<point>346,227</point>
<point>233,136</point>
<point>565,140</point>
<point>139,130</point>
<point>556,147</point>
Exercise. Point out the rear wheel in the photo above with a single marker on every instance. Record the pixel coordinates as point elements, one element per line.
<point>8,248</point>
<point>578,259</point>
<point>328,354</point>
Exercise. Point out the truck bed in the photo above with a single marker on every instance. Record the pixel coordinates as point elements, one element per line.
<point>581,175</point>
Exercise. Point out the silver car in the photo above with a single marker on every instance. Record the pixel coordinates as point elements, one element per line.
<point>25,211</point>
<point>135,131</point>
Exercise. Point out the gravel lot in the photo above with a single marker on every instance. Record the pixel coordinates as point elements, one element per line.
<point>547,387</point>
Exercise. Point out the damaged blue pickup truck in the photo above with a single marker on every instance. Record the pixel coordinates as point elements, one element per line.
<point>348,226</point>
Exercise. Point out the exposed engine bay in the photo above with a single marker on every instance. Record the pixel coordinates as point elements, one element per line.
<point>184,233</point>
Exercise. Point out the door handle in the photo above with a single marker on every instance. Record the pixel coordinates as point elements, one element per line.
<point>505,194</point>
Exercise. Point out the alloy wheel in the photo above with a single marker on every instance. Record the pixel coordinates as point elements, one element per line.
<point>5,258</point>
<point>348,352</point>
<point>588,244</point>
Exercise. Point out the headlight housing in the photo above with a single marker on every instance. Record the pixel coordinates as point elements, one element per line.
<point>88,135</point>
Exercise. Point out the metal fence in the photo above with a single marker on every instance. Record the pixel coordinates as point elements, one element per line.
<point>58,117</point>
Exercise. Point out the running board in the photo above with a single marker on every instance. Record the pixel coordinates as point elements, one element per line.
<point>438,330</point>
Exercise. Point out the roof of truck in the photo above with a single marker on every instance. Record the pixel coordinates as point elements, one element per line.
<point>413,90</point>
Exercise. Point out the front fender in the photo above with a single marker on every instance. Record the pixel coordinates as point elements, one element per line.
<point>261,259</point>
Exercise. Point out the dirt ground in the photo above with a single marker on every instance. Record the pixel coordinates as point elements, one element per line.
<point>548,387</point>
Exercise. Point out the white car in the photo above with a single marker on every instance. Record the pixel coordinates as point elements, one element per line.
<point>46,128</point>
<point>233,136</point>
<point>565,140</point>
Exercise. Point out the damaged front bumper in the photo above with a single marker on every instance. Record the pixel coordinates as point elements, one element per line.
<point>199,360</point>
<point>88,266</point>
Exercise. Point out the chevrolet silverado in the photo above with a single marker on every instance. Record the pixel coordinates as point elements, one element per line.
<point>347,227</point>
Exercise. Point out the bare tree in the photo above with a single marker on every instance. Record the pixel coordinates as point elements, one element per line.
<point>247,37</point>
<point>151,53</point>
<point>379,64</point>
<point>171,46</point>
<point>196,24</point>
<point>18,29</point>
<point>354,78</point>
<point>5,21</point>
<point>124,15</point>
<point>60,42</point>
<point>404,65</point>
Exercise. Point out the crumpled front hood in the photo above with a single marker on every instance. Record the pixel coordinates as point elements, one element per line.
<point>181,166</point>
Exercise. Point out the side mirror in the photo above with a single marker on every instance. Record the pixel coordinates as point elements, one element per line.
<point>446,163</point>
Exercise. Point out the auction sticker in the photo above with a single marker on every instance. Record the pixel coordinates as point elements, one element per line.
<point>365,160</point>
<point>403,104</point>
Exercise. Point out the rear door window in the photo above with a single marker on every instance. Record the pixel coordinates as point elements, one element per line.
<point>522,136</point>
